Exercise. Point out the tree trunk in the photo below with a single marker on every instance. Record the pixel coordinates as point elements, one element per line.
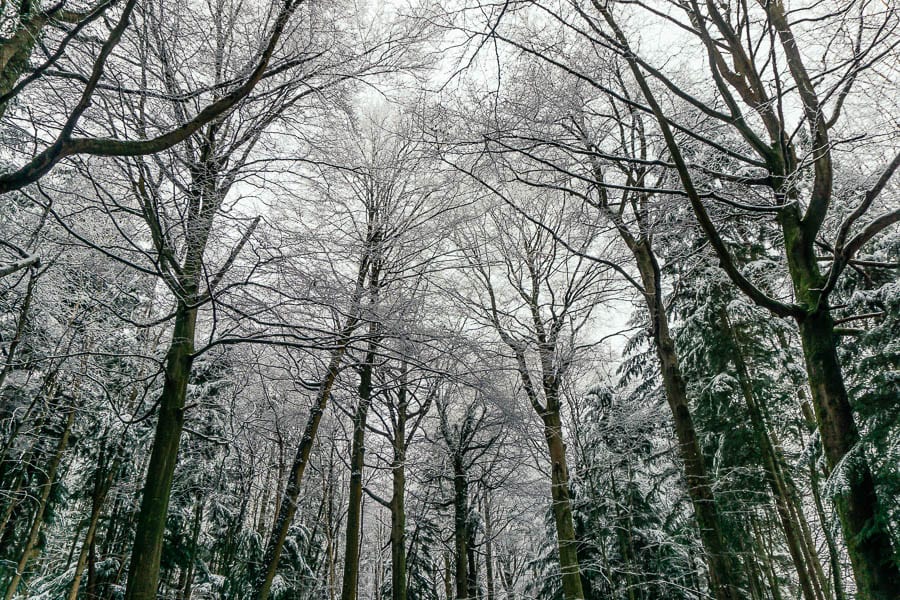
<point>723,579</point>
<point>101,489</point>
<point>488,548</point>
<point>398,509</point>
<point>810,420</point>
<point>349,589</point>
<point>143,573</point>
<point>622,533</point>
<point>472,585</point>
<point>448,579</point>
<point>562,504</point>
<point>460,527</point>
<point>38,520</point>
<point>185,590</point>
<point>868,542</point>
<point>766,555</point>
<point>833,555</point>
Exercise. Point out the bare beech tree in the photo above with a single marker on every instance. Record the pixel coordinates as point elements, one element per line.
<point>539,298</point>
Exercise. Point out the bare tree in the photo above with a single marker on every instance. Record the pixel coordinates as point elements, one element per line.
<point>539,298</point>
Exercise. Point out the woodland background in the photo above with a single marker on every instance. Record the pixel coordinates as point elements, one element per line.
<point>551,300</point>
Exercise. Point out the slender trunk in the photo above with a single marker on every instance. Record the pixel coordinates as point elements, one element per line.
<point>833,555</point>
<point>448,579</point>
<point>185,589</point>
<point>722,576</point>
<point>264,503</point>
<point>472,584</point>
<point>288,505</point>
<point>75,538</point>
<point>562,504</point>
<point>398,509</point>
<point>621,534</point>
<point>823,589</point>
<point>21,322</point>
<point>488,548</point>
<point>766,555</point>
<point>38,520</point>
<point>328,495</point>
<point>460,527</point>
<point>15,494</point>
<point>143,573</point>
<point>349,589</point>
<point>810,420</point>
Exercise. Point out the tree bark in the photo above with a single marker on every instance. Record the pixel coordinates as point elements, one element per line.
<point>398,508</point>
<point>143,572</point>
<point>868,541</point>
<point>102,484</point>
<point>488,548</point>
<point>185,591</point>
<point>460,528</point>
<point>772,467</point>
<point>562,504</point>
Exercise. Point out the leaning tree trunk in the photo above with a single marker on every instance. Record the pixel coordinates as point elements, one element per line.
<point>772,467</point>
<point>722,575</point>
<point>102,484</point>
<point>288,505</point>
<point>562,503</point>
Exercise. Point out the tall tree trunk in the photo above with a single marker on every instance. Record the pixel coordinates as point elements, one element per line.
<point>622,532</point>
<point>562,503</point>
<point>38,520</point>
<point>350,581</point>
<point>398,509</point>
<point>489,547</point>
<point>722,575</point>
<point>868,541</point>
<point>143,572</point>
<point>287,505</point>
<point>460,527</point>
<point>448,579</point>
<point>472,585</point>
<point>765,554</point>
<point>810,420</point>
<point>833,554</point>
<point>185,590</point>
